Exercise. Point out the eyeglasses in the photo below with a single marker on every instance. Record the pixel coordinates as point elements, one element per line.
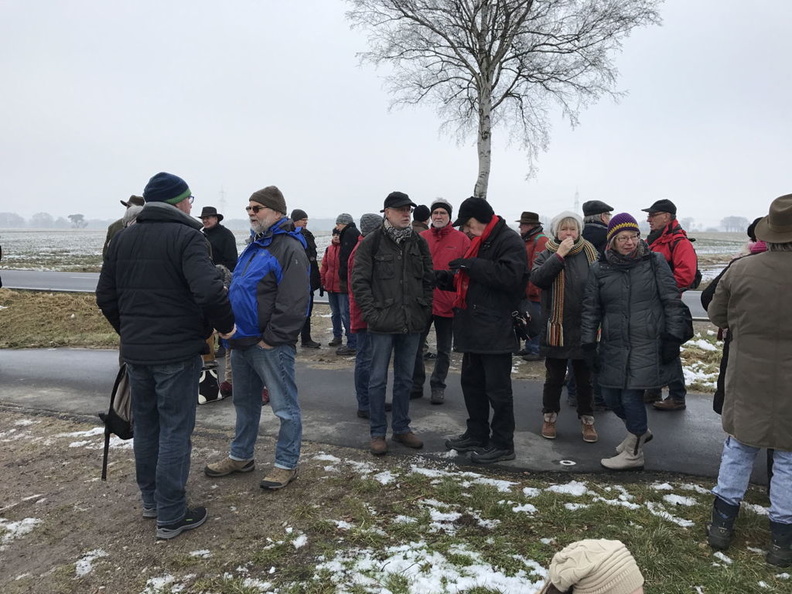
<point>191,199</point>
<point>255,209</point>
<point>626,238</point>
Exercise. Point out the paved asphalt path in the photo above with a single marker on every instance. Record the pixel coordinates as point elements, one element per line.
<point>79,381</point>
<point>85,282</point>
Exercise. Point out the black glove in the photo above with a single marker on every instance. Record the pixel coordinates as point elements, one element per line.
<point>444,279</point>
<point>669,348</point>
<point>460,263</point>
<point>321,291</point>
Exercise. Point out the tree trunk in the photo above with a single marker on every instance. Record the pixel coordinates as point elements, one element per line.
<point>484,141</point>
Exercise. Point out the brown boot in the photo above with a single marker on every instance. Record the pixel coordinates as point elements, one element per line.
<point>587,427</point>
<point>379,446</point>
<point>549,425</point>
<point>409,439</point>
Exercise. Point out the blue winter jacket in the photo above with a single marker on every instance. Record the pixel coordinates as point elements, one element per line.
<point>270,288</point>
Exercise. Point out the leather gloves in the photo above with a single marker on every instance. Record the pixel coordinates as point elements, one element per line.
<point>460,263</point>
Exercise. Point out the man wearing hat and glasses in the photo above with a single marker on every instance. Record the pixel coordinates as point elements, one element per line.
<point>117,226</point>
<point>392,284</point>
<point>222,240</point>
<point>668,238</point>
<point>596,216</point>
<point>533,235</point>
<point>752,301</point>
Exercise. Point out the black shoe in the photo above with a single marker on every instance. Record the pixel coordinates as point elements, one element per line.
<point>464,443</point>
<point>491,455</point>
<point>721,526</point>
<point>345,351</point>
<point>522,353</point>
<point>415,394</point>
<point>193,519</point>
<point>532,357</point>
<point>310,344</point>
<point>429,356</point>
<point>362,414</point>
<point>335,342</point>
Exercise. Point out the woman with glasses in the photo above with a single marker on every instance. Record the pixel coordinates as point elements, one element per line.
<point>633,305</point>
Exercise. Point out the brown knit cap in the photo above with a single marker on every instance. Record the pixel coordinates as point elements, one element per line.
<point>595,567</point>
<point>271,197</point>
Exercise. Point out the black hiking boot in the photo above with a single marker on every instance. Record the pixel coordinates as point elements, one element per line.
<point>721,526</point>
<point>780,553</point>
<point>491,455</point>
<point>464,443</point>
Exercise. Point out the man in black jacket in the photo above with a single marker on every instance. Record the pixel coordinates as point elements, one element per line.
<point>490,282</point>
<point>392,285</point>
<point>161,292</point>
<point>222,240</point>
<point>596,215</point>
<point>348,235</point>
<point>300,219</point>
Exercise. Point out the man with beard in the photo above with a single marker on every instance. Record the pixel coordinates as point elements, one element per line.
<point>445,244</point>
<point>269,294</point>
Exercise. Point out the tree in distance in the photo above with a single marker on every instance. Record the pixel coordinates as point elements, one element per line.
<point>484,63</point>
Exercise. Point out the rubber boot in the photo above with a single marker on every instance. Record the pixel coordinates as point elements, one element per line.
<point>721,526</point>
<point>780,553</point>
<point>648,435</point>
<point>631,457</point>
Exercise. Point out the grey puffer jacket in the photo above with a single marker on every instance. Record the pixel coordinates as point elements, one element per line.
<point>633,305</point>
<point>547,266</point>
<point>393,283</point>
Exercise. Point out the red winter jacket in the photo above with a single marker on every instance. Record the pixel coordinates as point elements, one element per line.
<point>329,269</point>
<point>445,244</point>
<point>679,253</point>
<point>356,323</point>
<point>534,245</point>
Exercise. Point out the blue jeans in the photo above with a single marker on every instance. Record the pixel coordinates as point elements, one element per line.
<point>362,369</point>
<point>343,304</point>
<point>403,347</point>
<point>677,390</point>
<point>164,399</point>
<point>254,368</point>
<point>628,406</point>
<point>335,313</point>
<point>737,462</point>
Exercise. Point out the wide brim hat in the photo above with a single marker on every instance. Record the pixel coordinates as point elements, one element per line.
<point>528,218</point>
<point>210,211</point>
<point>776,227</point>
<point>134,201</point>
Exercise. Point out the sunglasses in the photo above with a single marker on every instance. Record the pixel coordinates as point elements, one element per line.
<point>255,209</point>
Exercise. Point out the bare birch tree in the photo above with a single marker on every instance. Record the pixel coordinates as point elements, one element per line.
<point>485,63</point>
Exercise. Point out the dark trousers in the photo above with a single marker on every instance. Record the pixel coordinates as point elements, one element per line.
<point>305,334</point>
<point>444,333</point>
<point>554,383</point>
<point>486,383</point>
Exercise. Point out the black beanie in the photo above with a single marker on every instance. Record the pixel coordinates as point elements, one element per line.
<point>476,208</point>
<point>298,214</point>
<point>442,203</point>
<point>421,213</point>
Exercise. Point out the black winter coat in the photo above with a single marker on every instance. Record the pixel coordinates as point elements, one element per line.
<point>349,239</point>
<point>311,252</point>
<point>393,284</point>
<point>498,277</point>
<point>223,242</point>
<point>547,266</point>
<point>633,306</point>
<point>160,290</point>
<point>597,235</point>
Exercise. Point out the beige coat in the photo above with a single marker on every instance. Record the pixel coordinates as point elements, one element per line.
<point>754,301</point>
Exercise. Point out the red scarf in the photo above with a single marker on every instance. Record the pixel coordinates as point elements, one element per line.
<point>462,278</point>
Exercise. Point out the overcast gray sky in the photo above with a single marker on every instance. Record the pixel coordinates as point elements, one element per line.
<point>98,96</point>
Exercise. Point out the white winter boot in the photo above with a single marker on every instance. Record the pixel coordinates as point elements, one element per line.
<point>631,457</point>
<point>648,435</point>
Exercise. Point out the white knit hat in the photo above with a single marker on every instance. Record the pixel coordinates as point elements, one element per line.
<point>567,214</point>
<point>595,567</point>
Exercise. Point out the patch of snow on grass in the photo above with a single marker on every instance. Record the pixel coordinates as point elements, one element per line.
<point>702,344</point>
<point>300,541</point>
<point>90,433</point>
<point>757,509</point>
<point>404,520</point>
<point>25,422</point>
<point>385,478</point>
<point>531,492</point>
<point>16,529</point>
<point>84,565</point>
<point>679,500</point>
<point>201,553</point>
<point>525,508</point>
<point>722,557</point>
<point>575,506</point>
<point>574,488</point>
<point>658,510</point>
<point>695,488</point>
<point>159,585</point>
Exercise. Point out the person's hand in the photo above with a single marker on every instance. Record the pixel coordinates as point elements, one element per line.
<point>444,278</point>
<point>591,356</point>
<point>230,334</point>
<point>264,345</point>
<point>669,348</point>
<point>565,246</point>
<point>460,263</point>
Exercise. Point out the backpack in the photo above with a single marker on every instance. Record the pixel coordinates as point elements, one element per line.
<point>208,384</point>
<point>118,419</point>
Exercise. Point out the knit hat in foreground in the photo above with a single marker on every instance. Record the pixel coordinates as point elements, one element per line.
<point>622,222</point>
<point>369,222</point>
<point>166,187</point>
<point>271,197</point>
<point>595,567</point>
<point>475,208</point>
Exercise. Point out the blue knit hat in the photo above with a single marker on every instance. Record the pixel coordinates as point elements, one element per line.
<point>622,222</point>
<point>166,187</point>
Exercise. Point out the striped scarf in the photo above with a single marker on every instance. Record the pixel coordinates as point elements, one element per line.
<point>397,235</point>
<point>555,322</point>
